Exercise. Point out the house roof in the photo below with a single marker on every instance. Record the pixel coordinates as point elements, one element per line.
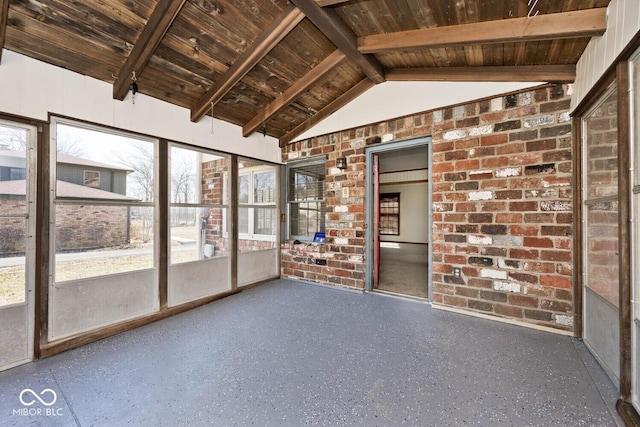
<point>64,189</point>
<point>277,67</point>
<point>68,159</point>
<point>73,160</point>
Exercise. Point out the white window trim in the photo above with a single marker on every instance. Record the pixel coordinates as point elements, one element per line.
<point>225,196</point>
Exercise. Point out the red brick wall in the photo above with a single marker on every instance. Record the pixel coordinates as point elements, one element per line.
<point>213,173</point>
<point>502,211</point>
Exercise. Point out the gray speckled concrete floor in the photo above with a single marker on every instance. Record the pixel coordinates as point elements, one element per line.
<point>291,354</point>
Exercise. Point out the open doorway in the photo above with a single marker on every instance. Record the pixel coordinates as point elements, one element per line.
<point>399,219</point>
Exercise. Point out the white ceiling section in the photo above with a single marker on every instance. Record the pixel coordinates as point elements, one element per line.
<point>396,99</point>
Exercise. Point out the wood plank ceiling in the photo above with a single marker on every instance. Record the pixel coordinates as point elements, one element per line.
<point>279,68</point>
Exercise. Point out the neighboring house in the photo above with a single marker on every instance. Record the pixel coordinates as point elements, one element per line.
<point>76,170</point>
<point>77,178</point>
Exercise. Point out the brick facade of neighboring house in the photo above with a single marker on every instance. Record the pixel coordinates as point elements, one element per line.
<point>12,230</point>
<point>91,226</point>
<point>502,205</point>
<point>77,226</point>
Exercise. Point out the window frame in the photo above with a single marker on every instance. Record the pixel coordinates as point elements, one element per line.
<point>84,178</point>
<point>395,196</point>
<point>323,223</point>
<point>198,203</point>
<point>58,200</point>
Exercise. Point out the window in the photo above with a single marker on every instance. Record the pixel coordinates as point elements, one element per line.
<point>92,179</point>
<point>93,220</point>
<point>197,209</point>
<point>257,202</point>
<point>390,214</point>
<point>306,192</point>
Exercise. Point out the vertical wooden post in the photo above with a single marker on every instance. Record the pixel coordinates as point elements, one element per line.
<point>624,228</point>
<point>163,222</point>
<point>577,227</point>
<point>233,216</point>
<point>42,251</point>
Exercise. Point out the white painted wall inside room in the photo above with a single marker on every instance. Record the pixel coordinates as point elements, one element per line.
<point>414,208</point>
<point>396,99</point>
<point>33,89</point>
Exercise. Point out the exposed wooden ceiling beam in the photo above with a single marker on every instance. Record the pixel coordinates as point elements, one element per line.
<point>4,14</point>
<point>325,3</point>
<point>357,90</point>
<point>272,35</point>
<point>579,23</point>
<point>341,35</point>
<point>518,73</point>
<point>294,91</point>
<point>159,22</point>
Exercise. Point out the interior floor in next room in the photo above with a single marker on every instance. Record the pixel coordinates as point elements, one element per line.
<point>404,268</point>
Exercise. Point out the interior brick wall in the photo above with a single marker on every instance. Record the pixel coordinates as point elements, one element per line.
<point>502,211</point>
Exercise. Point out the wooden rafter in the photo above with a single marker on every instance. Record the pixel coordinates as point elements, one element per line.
<point>330,24</point>
<point>357,90</point>
<point>579,23</point>
<point>522,73</point>
<point>159,22</point>
<point>4,14</point>
<point>272,35</point>
<point>294,91</point>
<point>325,3</point>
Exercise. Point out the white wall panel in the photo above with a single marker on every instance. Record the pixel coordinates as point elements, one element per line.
<point>9,76</point>
<point>75,96</point>
<point>33,89</point>
<point>256,266</point>
<point>82,305</point>
<point>194,280</point>
<point>623,23</point>
<point>53,87</point>
<point>12,336</point>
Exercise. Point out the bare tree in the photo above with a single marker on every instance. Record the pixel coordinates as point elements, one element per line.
<point>140,161</point>
<point>182,177</point>
<point>15,139</point>
<point>140,183</point>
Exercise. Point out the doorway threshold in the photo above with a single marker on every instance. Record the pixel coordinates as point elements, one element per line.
<point>397,295</point>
